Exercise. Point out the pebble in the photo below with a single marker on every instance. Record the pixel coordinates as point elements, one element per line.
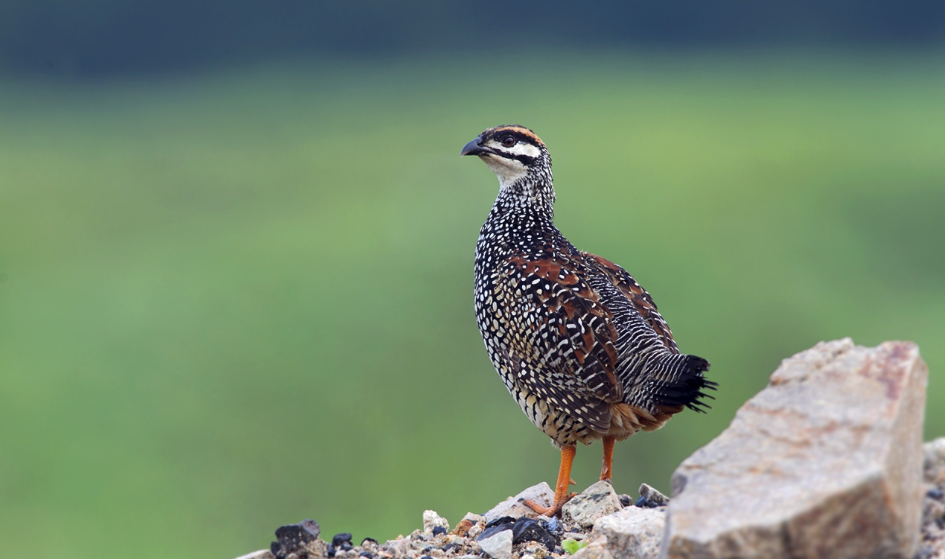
<point>498,546</point>
<point>531,530</point>
<point>340,539</point>
<point>653,496</point>
<point>432,520</point>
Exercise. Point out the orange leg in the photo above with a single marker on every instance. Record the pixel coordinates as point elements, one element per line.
<point>561,488</point>
<point>605,468</point>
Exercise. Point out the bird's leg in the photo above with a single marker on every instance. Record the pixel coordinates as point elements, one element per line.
<point>605,468</point>
<point>561,488</point>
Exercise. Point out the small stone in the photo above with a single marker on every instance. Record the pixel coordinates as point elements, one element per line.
<point>369,544</point>
<point>594,502</point>
<point>553,525</point>
<point>464,525</point>
<point>625,500</point>
<point>530,530</point>
<point>340,539</point>
<point>540,494</point>
<point>632,532</point>
<point>476,530</point>
<point>642,502</point>
<point>456,540</point>
<point>498,546</point>
<point>594,550</point>
<point>653,496</point>
<point>431,519</point>
<point>399,548</point>
<point>367,554</point>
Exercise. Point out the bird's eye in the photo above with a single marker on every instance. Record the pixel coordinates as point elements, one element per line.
<point>508,141</point>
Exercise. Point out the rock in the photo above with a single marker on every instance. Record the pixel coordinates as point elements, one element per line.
<point>934,462</point>
<point>294,539</point>
<point>431,520</point>
<point>594,550</point>
<point>824,462</point>
<point>498,546</point>
<point>541,494</point>
<point>398,549</point>
<point>632,532</point>
<point>596,501</point>
<point>531,530</point>
<point>653,496</point>
<point>464,525</point>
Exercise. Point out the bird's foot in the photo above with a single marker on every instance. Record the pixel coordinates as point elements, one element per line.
<point>553,510</point>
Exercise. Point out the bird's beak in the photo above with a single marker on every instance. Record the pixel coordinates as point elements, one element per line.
<point>474,148</point>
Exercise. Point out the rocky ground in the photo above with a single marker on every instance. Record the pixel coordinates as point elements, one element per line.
<point>826,462</point>
<point>509,530</point>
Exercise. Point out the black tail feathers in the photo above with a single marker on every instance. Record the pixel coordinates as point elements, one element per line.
<point>685,384</point>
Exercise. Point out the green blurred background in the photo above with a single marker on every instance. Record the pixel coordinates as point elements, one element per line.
<point>236,285</point>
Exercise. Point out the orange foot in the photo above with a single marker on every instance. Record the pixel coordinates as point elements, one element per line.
<point>561,488</point>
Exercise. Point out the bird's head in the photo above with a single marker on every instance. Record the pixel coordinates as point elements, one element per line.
<point>512,152</point>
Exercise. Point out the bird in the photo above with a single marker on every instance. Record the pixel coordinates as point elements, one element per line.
<point>577,341</point>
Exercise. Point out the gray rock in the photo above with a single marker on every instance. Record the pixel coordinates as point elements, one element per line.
<point>498,546</point>
<point>541,494</point>
<point>596,501</point>
<point>632,532</point>
<point>653,496</point>
<point>825,462</point>
<point>595,550</point>
<point>431,520</point>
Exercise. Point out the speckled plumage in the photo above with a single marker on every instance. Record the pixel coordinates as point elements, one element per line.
<point>578,343</point>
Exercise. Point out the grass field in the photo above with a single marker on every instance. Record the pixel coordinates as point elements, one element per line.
<point>231,301</point>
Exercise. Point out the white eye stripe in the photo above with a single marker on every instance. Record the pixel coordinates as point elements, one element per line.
<point>520,148</point>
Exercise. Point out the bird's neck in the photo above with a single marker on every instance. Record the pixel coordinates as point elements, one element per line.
<point>533,195</point>
<point>520,220</point>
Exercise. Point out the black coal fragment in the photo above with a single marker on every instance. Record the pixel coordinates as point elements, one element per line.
<point>553,525</point>
<point>625,500</point>
<point>936,493</point>
<point>500,520</point>
<point>450,546</point>
<point>346,547</point>
<point>645,503</point>
<point>340,539</point>
<point>530,530</point>
<point>293,536</point>
<point>437,530</point>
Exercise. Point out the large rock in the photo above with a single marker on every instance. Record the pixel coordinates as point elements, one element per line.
<point>825,462</point>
